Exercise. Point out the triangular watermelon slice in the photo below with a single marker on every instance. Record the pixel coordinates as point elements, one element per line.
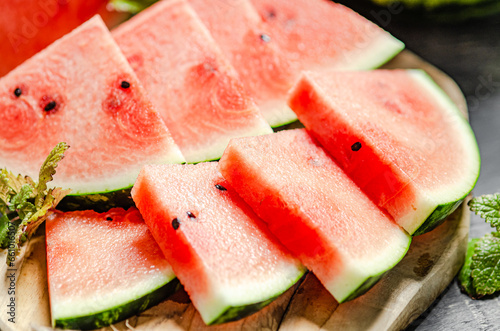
<point>82,91</point>
<point>319,34</point>
<point>397,135</point>
<point>223,254</point>
<point>265,72</point>
<point>315,210</point>
<point>103,268</point>
<point>194,87</point>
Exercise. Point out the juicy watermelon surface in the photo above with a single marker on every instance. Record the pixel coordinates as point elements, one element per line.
<point>397,135</point>
<point>193,86</point>
<point>28,26</point>
<point>222,253</point>
<point>72,91</point>
<point>314,209</point>
<point>264,70</point>
<point>319,34</point>
<point>103,268</point>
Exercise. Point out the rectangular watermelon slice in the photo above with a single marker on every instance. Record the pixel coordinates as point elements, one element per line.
<point>319,34</point>
<point>397,135</point>
<point>264,71</point>
<point>82,91</point>
<point>315,210</point>
<point>227,260</point>
<point>103,268</point>
<point>194,87</point>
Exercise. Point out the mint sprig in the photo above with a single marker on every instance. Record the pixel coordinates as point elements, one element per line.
<point>24,203</point>
<point>480,275</point>
<point>487,207</point>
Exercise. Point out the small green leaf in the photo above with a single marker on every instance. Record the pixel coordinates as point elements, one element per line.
<point>131,6</point>
<point>48,170</point>
<point>485,265</point>
<point>24,204</point>
<point>488,207</point>
<point>464,276</point>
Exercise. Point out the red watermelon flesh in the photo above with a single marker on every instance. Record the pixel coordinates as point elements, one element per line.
<point>315,210</point>
<point>320,33</point>
<point>28,26</point>
<point>102,262</point>
<point>227,260</point>
<point>81,90</point>
<point>265,72</point>
<point>397,135</point>
<point>194,87</point>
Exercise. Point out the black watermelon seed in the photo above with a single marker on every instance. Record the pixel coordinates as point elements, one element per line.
<point>51,105</point>
<point>125,84</point>
<point>109,218</point>
<point>190,214</point>
<point>356,146</point>
<point>265,38</point>
<point>175,223</point>
<point>220,187</point>
<point>18,92</point>
<point>271,13</point>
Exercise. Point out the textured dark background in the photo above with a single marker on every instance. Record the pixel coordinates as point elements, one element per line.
<point>469,52</point>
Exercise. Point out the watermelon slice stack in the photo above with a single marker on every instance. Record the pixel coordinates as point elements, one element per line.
<point>193,86</point>
<point>182,80</point>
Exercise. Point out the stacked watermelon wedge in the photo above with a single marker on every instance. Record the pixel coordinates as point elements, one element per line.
<point>385,156</point>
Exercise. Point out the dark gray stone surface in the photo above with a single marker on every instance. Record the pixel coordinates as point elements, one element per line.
<point>469,52</point>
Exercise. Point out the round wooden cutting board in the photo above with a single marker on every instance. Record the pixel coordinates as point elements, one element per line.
<point>400,297</point>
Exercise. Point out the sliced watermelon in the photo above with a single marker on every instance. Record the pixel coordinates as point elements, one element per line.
<point>194,87</point>
<point>28,26</point>
<point>315,210</point>
<point>265,72</point>
<point>397,135</point>
<point>319,34</point>
<point>228,262</point>
<point>81,90</point>
<point>103,268</point>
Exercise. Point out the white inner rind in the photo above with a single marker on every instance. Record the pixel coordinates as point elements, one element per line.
<point>121,179</point>
<point>215,149</point>
<point>427,199</point>
<point>94,303</point>
<point>355,272</point>
<point>278,114</point>
<point>381,48</point>
<point>220,298</point>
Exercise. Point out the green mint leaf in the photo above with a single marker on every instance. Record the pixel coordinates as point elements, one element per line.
<point>48,170</point>
<point>4,231</point>
<point>485,265</point>
<point>488,207</point>
<point>18,200</point>
<point>464,276</point>
<point>24,204</point>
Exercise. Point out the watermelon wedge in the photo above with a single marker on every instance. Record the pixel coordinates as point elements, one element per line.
<point>195,89</point>
<point>265,72</point>
<point>228,262</point>
<point>82,91</point>
<point>319,34</point>
<point>103,268</point>
<point>315,210</point>
<point>397,135</point>
<point>28,26</point>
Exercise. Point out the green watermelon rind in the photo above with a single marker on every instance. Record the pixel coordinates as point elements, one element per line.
<point>99,202</point>
<point>234,313</point>
<point>370,281</point>
<point>437,217</point>
<point>119,312</point>
<point>439,214</point>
